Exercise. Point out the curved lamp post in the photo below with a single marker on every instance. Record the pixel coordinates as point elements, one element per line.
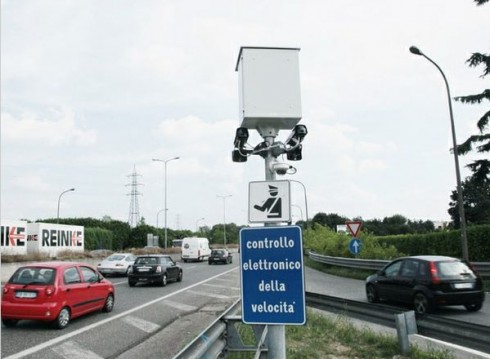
<point>59,199</point>
<point>158,213</point>
<point>306,201</point>
<point>224,215</point>
<point>165,189</point>
<point>200,219</point>
<point>464,241</point>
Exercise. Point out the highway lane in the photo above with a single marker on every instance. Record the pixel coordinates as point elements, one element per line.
<point>176,313</point>
<point>353,289</point>
<point>155,322</point>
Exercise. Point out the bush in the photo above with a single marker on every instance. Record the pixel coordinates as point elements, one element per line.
<point>444,243</point>
<point>325,241</point>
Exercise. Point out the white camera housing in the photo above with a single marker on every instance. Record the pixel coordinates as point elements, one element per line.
<point>281,168</point>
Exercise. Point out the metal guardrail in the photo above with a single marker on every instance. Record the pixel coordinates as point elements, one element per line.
<point>375,264</point>
<point>222,336</point>
<point>465,334</point>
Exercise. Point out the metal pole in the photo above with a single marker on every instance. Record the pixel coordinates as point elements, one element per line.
<point>158,213</point>
<point>306,202</point>
<point>276,333</point>
<point>165,190</point>
<point>59,199</point>
<point>200,219</point>
<point>224,216</point>
<point>462,219</point>
<point>165,205</point>
<point>300,211</point>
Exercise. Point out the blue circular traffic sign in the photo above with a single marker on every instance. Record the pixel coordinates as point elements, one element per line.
<point>355,245</point>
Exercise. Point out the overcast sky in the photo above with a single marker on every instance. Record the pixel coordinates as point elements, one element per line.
<point>92,89</point>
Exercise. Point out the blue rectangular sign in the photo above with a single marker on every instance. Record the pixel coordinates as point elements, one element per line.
<point>272,275</point>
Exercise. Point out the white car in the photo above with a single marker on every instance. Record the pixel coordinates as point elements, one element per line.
<point>116,264</point>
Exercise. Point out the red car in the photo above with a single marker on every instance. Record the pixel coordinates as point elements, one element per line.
<point>55,292</point>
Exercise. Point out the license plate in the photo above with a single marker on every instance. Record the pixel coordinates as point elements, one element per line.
<point>463,285</point>
<point>25,294</point>
<point>144,269</point>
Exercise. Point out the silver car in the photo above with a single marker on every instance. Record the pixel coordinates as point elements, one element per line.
<point>116,264</point>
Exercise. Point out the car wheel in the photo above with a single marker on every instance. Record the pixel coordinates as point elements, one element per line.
<point>131,283</point>
<point>372,294</point>
<point>179,277</point>
<point>474,307</point>
<point>163,283</point>
<point>63,318</point>
<point>421,304</point>
<point>9,322</point>
<point>109,304</point>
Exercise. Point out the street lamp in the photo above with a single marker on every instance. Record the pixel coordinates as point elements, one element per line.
<point>224,215</point>
<point>59,199</point>
<point>158,213</point>
<point>306,201</point>
<point>200,219</point>
<point>301,210</point>
<point>464,240</point>
<point>165,190</point>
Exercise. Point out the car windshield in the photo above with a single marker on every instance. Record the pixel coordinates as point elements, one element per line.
<point>116,257</point>
<point>146,260</point>
<point>218,252</point>
<point>454,270</point>
<point>33,275</point>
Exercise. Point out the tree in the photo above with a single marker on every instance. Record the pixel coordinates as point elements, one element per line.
<point>476,205</point>
<point>476,202</point>
<point>330,220</point>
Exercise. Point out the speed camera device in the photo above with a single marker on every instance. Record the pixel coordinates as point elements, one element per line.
<point>269,88</point>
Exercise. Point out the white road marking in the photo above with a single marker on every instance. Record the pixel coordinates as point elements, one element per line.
<point>180,306</point>
<point>61,338</point>
<point>213,295</point>
<point>71,350</point>
<point>220,286</point>
<point>142,324</point>
<point>226,279</point>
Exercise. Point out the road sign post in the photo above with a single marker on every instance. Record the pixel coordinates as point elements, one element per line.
<point>355,245</point>
<point>272,276</point>
<point>354,227</point>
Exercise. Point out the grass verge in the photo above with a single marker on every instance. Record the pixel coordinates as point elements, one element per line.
<point>336,337</point>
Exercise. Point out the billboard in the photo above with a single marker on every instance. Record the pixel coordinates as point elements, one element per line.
<point>13,240</point>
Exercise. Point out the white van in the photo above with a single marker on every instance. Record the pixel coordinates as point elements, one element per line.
<point>195,249</point>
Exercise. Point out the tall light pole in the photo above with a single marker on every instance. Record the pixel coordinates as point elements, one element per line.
<point>462,219</point>
<point>158,213</point>
<point>224,215</point>
<point>200,219</point>
<point>306,201</point>
<point>59,199</point>
<point>300,210</point>
<point>165,189</point>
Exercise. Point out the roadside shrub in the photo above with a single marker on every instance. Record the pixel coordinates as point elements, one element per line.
<point>325,241</point>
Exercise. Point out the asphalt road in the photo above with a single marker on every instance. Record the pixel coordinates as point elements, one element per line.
<point>172,316</point>
<point>156,322</point>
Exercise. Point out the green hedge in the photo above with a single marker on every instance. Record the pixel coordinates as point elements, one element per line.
<point>98,238</point>
<point>444,243</point>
